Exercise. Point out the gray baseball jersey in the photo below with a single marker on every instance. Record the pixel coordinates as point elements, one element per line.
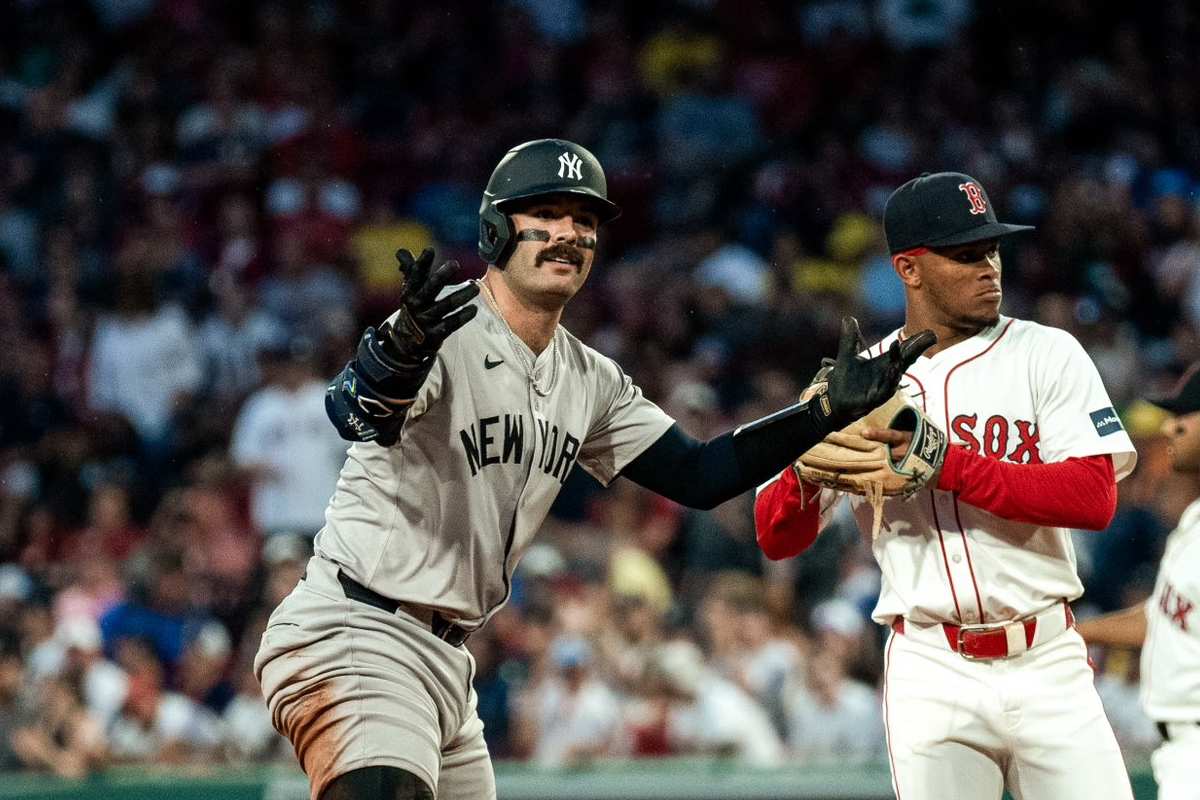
<point>441,518</point>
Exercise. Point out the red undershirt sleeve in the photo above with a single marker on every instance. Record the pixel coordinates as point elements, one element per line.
<point>785,523</point>
<point>1076,493</point>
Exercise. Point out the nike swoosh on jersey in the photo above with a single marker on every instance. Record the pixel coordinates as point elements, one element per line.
<point>489,364</point>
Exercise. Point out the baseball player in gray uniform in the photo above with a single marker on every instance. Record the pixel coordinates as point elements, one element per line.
<point>1166,626</point>
<point>464,434</point>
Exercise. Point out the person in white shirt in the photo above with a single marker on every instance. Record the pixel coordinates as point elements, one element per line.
<point>578,716</point>
<point>1167,626</point>
<point>832,718</point>
<point>143,360</point>
<point>284,442</point>
<point>710,714</point>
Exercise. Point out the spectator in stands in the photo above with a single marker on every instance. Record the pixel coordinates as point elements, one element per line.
<point>246,731</point>
<point>103,685</point>
<point>284,443</point>
<point>578,716</point>
<point>159,610</point>
<point>233,337</point>
<point>832,718</point>
<point>143,339</point>
<point>12,671</point>
<point>708,714</point>
<point>158,725</point>
<point>59,736</point>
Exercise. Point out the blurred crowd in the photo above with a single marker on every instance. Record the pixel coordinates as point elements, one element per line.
<point>199,202</point>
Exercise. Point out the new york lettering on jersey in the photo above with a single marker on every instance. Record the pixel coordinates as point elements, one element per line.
<point>500,439</point>
<point>491,444</point>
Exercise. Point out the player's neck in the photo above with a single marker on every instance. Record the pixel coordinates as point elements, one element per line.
<point>533,324</point>
<point>948,333</point>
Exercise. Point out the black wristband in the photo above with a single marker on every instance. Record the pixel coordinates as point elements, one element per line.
<point>767,445</point>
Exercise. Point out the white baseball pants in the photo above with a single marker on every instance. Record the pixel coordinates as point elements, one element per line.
<point>966,729</point>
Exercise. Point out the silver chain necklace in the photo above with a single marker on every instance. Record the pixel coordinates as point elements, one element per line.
<point>519,347</point>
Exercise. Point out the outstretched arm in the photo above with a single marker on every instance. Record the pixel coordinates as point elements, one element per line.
<point>706,474</point>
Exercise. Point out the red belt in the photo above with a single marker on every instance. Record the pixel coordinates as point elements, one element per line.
<point>986,642</point>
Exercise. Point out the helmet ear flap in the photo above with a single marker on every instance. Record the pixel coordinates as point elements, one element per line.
<point>496,235</point>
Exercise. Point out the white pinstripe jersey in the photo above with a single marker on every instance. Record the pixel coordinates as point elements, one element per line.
<point>1020,392</point>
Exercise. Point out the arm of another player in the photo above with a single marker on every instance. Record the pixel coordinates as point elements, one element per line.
<point>706,474</point>
<point>1124,628</point>
<point>787,515</point>
<point>369,399</point>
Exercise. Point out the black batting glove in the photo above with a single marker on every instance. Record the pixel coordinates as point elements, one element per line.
<point>397,357</point>
<point>859,385</point>
<point>424,322</point>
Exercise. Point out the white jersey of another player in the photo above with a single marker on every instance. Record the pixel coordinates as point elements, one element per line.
<point>1018,392</point>
<point>1171,656</point>
<point>1171,661</point>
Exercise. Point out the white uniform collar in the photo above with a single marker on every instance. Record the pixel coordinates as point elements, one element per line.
<point>967,348</point>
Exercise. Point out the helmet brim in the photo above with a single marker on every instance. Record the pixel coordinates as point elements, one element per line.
<point>605,209</point>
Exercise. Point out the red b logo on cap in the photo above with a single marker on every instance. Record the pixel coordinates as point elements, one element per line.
<point>975,195</point>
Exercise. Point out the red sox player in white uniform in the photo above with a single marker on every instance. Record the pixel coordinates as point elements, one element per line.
<point>1167,626</point>
<point>986,682</point>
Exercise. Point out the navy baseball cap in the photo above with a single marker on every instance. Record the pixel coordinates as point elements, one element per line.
<point>1185,397</point>
<point>941,209</point>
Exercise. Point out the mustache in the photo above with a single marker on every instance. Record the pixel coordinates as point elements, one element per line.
<point>563,251</point>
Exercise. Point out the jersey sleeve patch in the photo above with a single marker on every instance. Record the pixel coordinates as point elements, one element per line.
<point>1106,421</point>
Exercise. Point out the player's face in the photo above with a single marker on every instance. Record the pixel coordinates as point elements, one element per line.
<point>1183,442</point>
<point>963,282</point>
<point>550,272</point>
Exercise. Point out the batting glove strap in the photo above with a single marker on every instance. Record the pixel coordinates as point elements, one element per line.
<point>360,413</point>
<point>386,375</point>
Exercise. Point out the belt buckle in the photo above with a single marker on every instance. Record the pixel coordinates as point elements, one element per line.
<point>964,629</point>
<point>449,632</point>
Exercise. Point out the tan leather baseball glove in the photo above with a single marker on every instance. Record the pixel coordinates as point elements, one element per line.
<point>848,462</point>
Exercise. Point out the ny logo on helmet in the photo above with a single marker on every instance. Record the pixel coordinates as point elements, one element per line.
<point>570,166</point>
<point>975,195</point>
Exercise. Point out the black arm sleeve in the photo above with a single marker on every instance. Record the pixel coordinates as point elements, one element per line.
<point>706,474</point>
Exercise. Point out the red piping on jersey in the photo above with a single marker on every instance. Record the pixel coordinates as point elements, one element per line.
<point>941,537</point>
<point>887,662</point>
<point>970,566</point>
<point>924,404</point>
<point>946,561</point>
<point>946,408</point>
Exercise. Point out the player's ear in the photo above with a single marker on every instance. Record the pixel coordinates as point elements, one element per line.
<point>907,269</point>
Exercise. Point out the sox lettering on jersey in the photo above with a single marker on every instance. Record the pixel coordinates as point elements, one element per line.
<point>996,435</point>
<point>1175,606</point>
<point>557,449</point>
